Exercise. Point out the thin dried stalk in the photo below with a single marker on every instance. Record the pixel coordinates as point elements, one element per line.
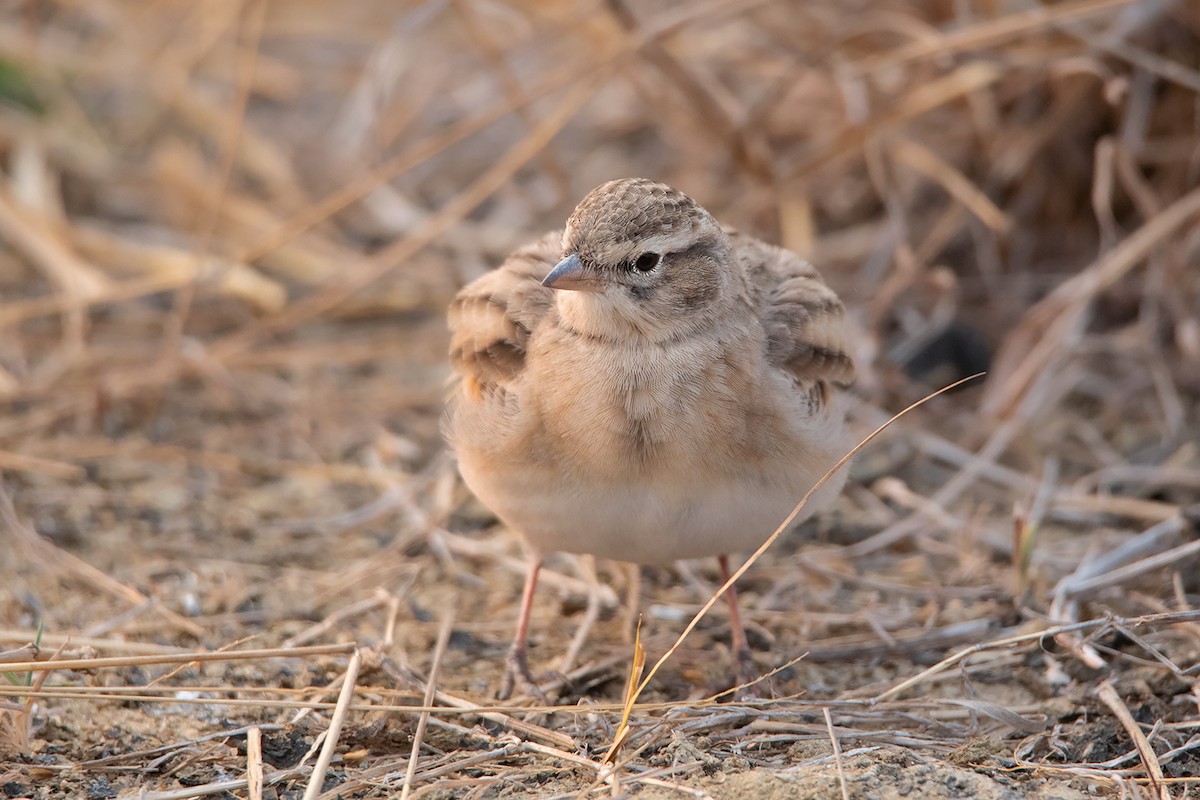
<point>317,778</point>
<point>254,766</point>
<point>1109,695</point>
<point>435,668</point>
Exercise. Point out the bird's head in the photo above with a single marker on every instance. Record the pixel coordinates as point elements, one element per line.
<point>641,255</point>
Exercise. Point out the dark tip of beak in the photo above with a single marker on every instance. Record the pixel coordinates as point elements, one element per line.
<point>569,274</point>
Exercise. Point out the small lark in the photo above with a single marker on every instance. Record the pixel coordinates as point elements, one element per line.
<point>646,386</point>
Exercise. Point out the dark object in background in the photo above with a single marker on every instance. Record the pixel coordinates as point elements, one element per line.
<point>957,352</point>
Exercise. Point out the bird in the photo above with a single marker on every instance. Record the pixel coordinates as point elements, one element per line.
<point>646,385</point>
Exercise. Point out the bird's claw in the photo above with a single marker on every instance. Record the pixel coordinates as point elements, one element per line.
<point>518,678</point>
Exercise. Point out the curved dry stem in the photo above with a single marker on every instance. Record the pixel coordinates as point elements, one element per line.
<point>631,697</point>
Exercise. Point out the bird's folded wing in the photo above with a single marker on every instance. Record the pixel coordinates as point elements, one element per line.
<point>803,318</point>
<point>493,317</point>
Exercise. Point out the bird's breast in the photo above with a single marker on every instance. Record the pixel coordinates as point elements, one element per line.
<point>612,410</point>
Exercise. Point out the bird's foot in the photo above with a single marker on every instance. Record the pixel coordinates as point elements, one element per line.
<point>517,678</point>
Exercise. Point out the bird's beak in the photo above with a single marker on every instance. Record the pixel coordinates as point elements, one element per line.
<point>570,274</point>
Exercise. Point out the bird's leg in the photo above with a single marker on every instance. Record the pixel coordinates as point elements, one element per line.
<point>516,672</point>
<point>746,671</point>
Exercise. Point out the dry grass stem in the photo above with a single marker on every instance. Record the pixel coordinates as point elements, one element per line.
<point>183,658</point>
<point>1149,758</point>
<point>1152,620</point>
<point>254,767</point>
<point>837,754</point>
<point>435,668</point>
<point>317,779</point>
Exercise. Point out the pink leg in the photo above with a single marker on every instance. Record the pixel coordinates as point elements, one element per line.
<point>746,670</point>
<point>516,673</point>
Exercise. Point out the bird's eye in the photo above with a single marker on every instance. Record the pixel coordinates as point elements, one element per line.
<point>646,262</point>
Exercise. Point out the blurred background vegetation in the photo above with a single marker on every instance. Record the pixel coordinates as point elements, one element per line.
<point>230,172</point>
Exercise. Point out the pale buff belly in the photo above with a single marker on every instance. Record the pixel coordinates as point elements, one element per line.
<point>650,522</point>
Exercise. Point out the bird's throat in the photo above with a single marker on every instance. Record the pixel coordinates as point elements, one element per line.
<point>601,315</point>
